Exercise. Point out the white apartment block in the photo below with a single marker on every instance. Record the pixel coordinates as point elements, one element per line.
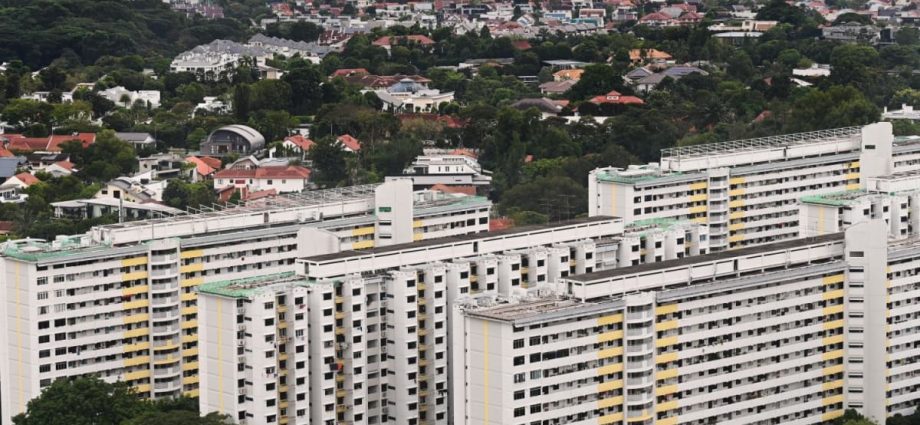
<point>747,190</point>
<point>407,291</point>
<point>894,198</point>
<point>378,338</point>
<point>793,332</point>
<point>120,301</point>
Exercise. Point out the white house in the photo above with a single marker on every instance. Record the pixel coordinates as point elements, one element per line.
<point>409,95</point>
<point>60,169</point>
<point>150,98</point>
<point>282,179</point>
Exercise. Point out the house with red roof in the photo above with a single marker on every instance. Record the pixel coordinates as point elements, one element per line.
<point>657,19</point>
<point>616,98</point>
<point>347,72</point>
<point>205,167</point>
<point>298,144</point>
<point>388,41</point>
<point>20,143</point>
<point>60,168</point>
<point>348,143</point>
<point>21,181</point>
<point>5,153</point>
<point>292,178</point>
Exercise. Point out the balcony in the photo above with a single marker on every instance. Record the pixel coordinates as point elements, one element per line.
<point>163,301</point>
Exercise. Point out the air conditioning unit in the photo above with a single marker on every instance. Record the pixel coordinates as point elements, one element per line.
<point>242,391</point>
<point>241,343</point>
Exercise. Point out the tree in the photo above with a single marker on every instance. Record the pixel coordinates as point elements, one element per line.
<point>82,401</point>
<point>107,158</point>
<point>180,417</point>
<point>183,195</point>
<point>395,156</point>
<point>26,112</point>
<point>194,138</point>
<point>907,35</point>
<point>306,88</point>
<point>597,79</point>
<point>274,125</point>
<point>329,168</point>
<point>852,17</point>
<point>242,96</point>
<point>853,63</point>
<point>557,197</point>
<point>270,94</point>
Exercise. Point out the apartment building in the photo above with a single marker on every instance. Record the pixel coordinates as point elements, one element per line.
<point>747,191</point>
<point>120,301</point>
<point>894,198</point>
<point>791,332</point>
<point>404,294</point>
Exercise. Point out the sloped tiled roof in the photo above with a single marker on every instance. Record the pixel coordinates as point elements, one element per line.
<point>301,142</point>
<point>349,142</point>
<point>290,172</point>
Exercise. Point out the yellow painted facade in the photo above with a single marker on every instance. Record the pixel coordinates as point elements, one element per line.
<point>136,261</point>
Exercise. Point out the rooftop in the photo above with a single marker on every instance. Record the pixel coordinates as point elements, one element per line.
<point>452,239</point>
<point>686,261</point>
<point>246,287</point>
<point>839,199</point>
<point>784,140</point>
<point>524,309</point>
<point>279,203</point>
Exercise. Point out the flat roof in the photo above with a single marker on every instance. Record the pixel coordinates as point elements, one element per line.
<point>696,259</point>
<point>452,239</point>
<point>749,145</point>
<point>647,174</point>
<point>838,199</point>
<point>543,309</point>
<point>244,288</point>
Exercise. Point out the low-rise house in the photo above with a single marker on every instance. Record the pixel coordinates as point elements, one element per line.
<point>124,97</point>
<point>547,107</point>
<point>556,87</point>
<point>138,140</point>
<point>348,143</point>
<point>214,105</point>
<point>237,139</point>
<point>851,32</point>
<point>614,97</point>
<point>748,25</point>
<point>568,74</point>
<point>907,112</point>
<point>60,168</point>
<point>639,56</point>
<point>453,169</point>
<point>815,71</point>
<point>282,179</point>
<point>51,144</point>
<point>388,41</point>
<point>410,96</point>
<point>298,144</point>
<point>646,78</point>
<point>203,168</point>
<point>21,181</point>
<point>129,189</point>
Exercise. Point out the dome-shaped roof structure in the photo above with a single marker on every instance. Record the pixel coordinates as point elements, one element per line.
<point>235,138</point>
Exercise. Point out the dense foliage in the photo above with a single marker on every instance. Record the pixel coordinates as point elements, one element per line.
<point>83,31</point>
<point>91,401</point>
